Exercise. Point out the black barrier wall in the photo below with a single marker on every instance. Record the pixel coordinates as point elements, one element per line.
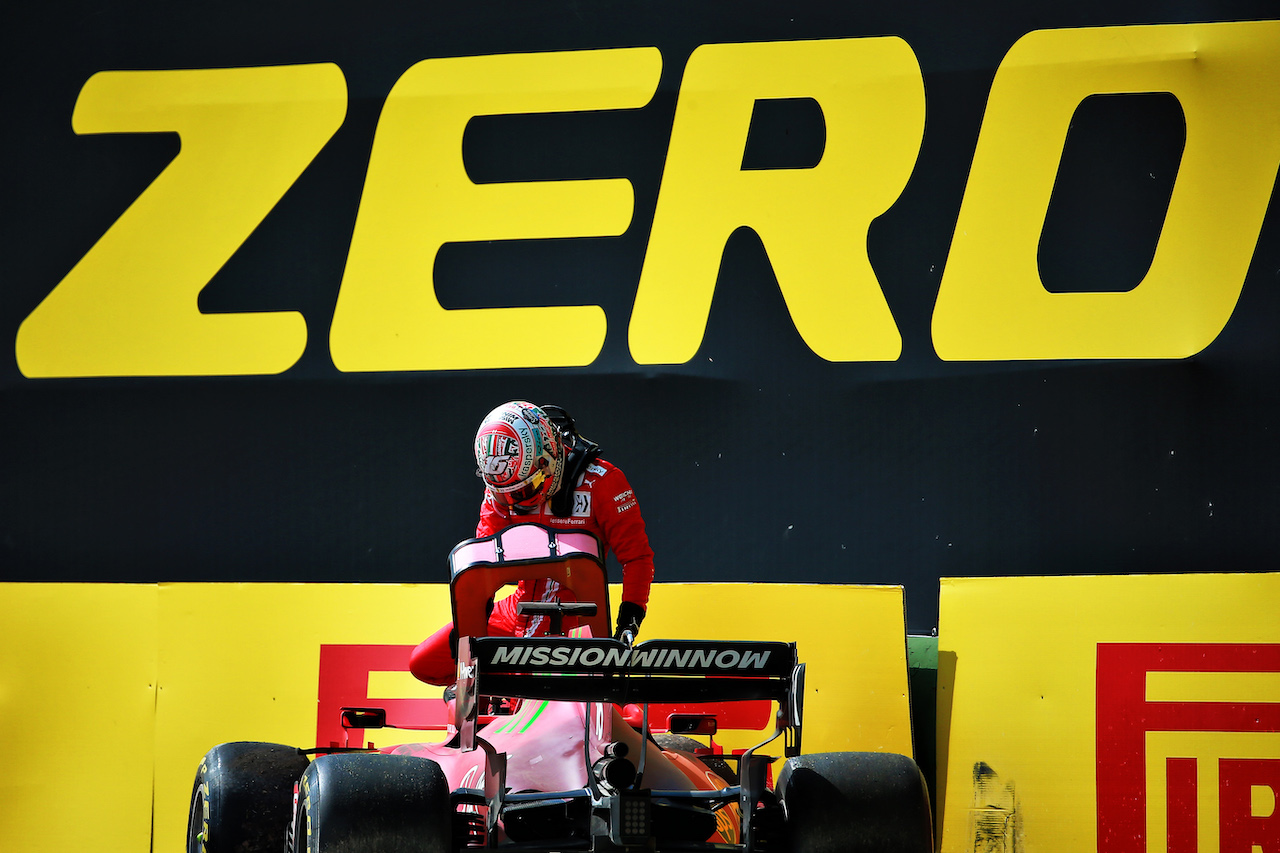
<point>778,448</point>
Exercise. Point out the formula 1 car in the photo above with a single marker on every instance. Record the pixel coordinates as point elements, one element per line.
<point>572,741</point>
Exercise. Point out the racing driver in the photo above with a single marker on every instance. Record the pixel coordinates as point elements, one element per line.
<point>562,484</point>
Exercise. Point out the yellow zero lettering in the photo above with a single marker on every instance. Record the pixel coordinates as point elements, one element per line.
<point>992,304</point>
<point>129,307</point>
<point>812,221</point>
<point>418,196</point>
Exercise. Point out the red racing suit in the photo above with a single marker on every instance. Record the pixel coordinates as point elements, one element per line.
<point>603,504</point>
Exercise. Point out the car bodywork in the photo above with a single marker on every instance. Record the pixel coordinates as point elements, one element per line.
<point>566,766</point>
<point>574,740</point>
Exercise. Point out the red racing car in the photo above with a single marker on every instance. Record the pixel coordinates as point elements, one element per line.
<point>568,742</point>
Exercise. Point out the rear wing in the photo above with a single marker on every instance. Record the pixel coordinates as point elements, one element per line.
<point>603,670</point>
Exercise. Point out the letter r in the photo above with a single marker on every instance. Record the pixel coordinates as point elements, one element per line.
<point>1248,817</point>
<point>812,222</point>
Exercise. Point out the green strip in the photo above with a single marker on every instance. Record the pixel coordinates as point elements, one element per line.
<point>510,725</point>
<point>541,708</point>
<point>922,652</point>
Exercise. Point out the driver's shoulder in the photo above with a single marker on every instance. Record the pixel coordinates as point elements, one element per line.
<point>600,470</point>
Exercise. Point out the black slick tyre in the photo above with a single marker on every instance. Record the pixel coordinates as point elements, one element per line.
<point>373,803</point>
<point>855,802</point>
<point>242,800</point>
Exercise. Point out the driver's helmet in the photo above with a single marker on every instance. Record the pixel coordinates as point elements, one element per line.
<point>521,456</point>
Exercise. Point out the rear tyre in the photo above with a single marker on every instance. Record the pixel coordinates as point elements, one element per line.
<point>855,802</point>
<point>373,803</point>
<point>242,799</point>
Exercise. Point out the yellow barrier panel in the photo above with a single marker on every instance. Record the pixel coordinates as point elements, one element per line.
<point>77,708</point>
<point>1118,714</point>
<point>136,683</point>
<point>240,662</point>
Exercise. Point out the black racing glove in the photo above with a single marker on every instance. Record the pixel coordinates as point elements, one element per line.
<point>630,615</point>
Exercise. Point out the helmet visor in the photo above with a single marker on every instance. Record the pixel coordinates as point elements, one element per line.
<point>528,495</point>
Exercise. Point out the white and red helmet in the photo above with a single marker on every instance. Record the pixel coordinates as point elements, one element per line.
<point>520,455</point>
